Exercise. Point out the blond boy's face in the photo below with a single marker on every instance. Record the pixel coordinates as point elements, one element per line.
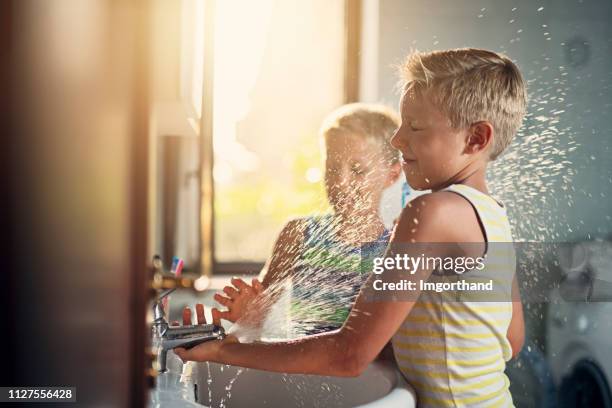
<point>432,152</point>
<point>356,173</point>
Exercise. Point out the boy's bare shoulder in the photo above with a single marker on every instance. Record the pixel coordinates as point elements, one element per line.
<point>293,229</point>
<point>441,216</point>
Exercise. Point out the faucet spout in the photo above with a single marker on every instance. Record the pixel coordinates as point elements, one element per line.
<point>168,337</point>
<point>186,337</point>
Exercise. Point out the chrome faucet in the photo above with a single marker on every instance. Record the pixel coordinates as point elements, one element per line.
<point>169,337</point>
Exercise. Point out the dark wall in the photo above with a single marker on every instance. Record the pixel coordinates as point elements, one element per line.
<point>74,230</point>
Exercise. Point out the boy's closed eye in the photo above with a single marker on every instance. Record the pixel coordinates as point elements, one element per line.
<point>414,126</point>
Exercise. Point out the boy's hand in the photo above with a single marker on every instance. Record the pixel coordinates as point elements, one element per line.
<point>238,298</point>
<point>207,350</point>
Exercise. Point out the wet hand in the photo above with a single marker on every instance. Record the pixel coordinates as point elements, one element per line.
<point>207,351</point>
<point>238,298</point>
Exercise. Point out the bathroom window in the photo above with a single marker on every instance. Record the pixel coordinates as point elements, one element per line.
<point>279,68</point>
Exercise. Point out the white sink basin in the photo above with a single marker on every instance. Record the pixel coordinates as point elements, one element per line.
<point>379,386</point>
<point>233,387</point>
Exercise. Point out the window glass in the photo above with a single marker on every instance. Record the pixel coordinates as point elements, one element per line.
<point>278,72</point>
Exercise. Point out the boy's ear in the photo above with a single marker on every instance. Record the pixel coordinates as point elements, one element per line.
<point>394,173</point>
<point>480,137</point>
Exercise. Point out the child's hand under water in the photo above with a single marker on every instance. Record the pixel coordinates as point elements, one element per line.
<point>208,350</point>
<point>239,297</point>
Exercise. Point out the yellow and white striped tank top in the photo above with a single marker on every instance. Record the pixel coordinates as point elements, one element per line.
<point>454,353</point>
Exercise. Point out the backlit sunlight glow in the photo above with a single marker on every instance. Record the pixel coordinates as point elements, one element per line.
<point>313,175</point>
<point>231,103</point>
<point>193,22</point>
<point>270,94</point>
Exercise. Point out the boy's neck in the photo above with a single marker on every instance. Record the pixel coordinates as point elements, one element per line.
<point>475,179</point>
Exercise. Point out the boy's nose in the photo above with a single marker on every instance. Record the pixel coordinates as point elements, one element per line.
<point>396,141</point>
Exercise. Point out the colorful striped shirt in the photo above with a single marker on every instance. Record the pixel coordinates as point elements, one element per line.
<point>328,276</point>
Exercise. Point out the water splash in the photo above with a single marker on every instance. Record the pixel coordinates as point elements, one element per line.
<point>209,381</point>
<point>534,178</point>
<point>228,388</point>
<point>316,289</point>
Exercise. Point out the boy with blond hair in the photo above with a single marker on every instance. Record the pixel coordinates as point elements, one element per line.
<point>320,255</point>
<point>459,110</point>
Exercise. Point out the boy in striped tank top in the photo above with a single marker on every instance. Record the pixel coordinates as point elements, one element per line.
<point>325,251</point>
<point>460,109</point>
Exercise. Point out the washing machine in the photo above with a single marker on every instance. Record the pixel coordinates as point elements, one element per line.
<point>579,327</point>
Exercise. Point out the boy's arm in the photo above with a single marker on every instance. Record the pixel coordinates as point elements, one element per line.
<point>241,297</point>
<point>370,326</point>
<point>516,330</point>
<point>286,251</point>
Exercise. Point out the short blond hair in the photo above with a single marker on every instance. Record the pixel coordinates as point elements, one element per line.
<point>373,122</point>
<point>471,85</point>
